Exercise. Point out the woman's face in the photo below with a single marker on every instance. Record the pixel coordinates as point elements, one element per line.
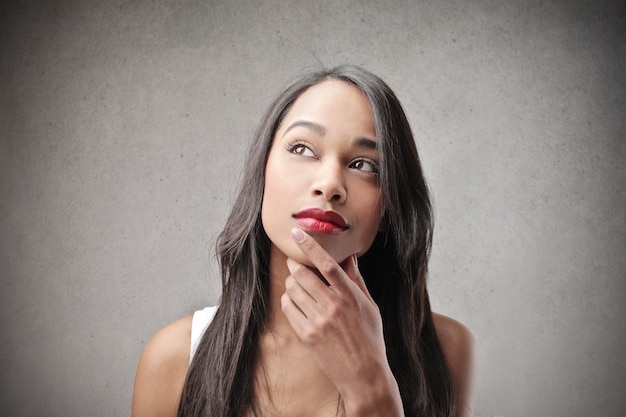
<point>322,174</point>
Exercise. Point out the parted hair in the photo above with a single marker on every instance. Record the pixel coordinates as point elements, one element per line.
<point>220,378</point>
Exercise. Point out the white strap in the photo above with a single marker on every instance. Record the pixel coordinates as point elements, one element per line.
<point>200,321</point>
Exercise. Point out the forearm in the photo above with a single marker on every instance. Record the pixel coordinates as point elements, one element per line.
<point>377,396</point>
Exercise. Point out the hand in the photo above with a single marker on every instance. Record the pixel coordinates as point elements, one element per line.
<point>340,324</point>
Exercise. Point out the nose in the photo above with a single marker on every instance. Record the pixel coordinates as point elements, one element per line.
<point>329,183</point>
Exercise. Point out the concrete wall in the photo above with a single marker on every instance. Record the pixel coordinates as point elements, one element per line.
<point>123,127</point>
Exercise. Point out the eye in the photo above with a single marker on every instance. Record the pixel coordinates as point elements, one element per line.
<point>302,150</point>
<point>365,165</point>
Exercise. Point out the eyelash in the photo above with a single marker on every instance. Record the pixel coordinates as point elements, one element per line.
<point>374,165</point>
<point>293,147</point>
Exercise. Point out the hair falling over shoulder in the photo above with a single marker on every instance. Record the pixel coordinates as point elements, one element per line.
<point>220,378</point>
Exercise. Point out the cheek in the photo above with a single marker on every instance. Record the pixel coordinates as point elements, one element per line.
<point>272,182</point>
<point>377,209</point>
<point>269,190</point>
<point>276,190</point>
<point>275,195</point>
<point>371,225</point>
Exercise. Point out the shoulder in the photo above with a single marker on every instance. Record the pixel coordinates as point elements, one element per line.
<point>162,370</point>
<point>457,343</point>
<point>453,335</point>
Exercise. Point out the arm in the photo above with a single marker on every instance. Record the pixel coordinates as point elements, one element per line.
<point>162,370</point>
<point>457,343</point>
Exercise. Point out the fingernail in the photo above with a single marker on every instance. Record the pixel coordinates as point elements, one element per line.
<point>356,261</point>
<point>298,235</point>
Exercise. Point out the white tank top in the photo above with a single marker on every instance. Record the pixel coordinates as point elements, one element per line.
<point>200,321</point>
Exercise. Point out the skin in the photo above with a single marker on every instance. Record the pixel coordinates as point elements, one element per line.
<point>324,156</point>
<point>322,342</point>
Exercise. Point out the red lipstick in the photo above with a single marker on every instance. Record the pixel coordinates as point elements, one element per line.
<point>316,220</point>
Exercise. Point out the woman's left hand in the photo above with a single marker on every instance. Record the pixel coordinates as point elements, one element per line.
<point>341,325</point>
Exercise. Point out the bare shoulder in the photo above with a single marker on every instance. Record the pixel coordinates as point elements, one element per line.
<point>454,336</point>
<point>162,370</point>
<point>457,343</point>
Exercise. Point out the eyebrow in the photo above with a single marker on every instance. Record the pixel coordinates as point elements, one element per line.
<point>321,130</point>
<point>365,143</point>
<point>315,127</point>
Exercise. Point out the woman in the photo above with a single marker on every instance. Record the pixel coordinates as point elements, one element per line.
<point>324,309</point>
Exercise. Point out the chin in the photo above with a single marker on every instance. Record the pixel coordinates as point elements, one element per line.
<point>304,260</point>
<point>339,249</point>
<point>339,254</point>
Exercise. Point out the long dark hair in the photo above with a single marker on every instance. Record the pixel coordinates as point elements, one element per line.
<point>220,378</point>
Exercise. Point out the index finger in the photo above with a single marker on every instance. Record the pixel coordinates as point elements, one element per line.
<point>323,262</point>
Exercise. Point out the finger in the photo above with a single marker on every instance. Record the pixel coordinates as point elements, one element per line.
<point>324,263</point>
<point>310,280</point>
<point>306,302</point>
<point>351,268</point>
<point>295,316</point>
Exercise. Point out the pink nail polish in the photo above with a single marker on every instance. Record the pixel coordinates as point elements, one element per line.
<point>298,235</point>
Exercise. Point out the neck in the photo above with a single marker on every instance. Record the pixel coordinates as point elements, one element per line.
<point>276,322</point>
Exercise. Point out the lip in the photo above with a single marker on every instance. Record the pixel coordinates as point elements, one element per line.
<point>321,221</point>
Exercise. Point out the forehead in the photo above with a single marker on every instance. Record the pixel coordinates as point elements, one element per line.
<point>334,104</point>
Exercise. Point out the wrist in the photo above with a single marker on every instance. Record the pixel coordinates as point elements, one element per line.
<point>376,396</point>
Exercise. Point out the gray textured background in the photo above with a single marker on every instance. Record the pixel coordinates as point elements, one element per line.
<point>123,127</point>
